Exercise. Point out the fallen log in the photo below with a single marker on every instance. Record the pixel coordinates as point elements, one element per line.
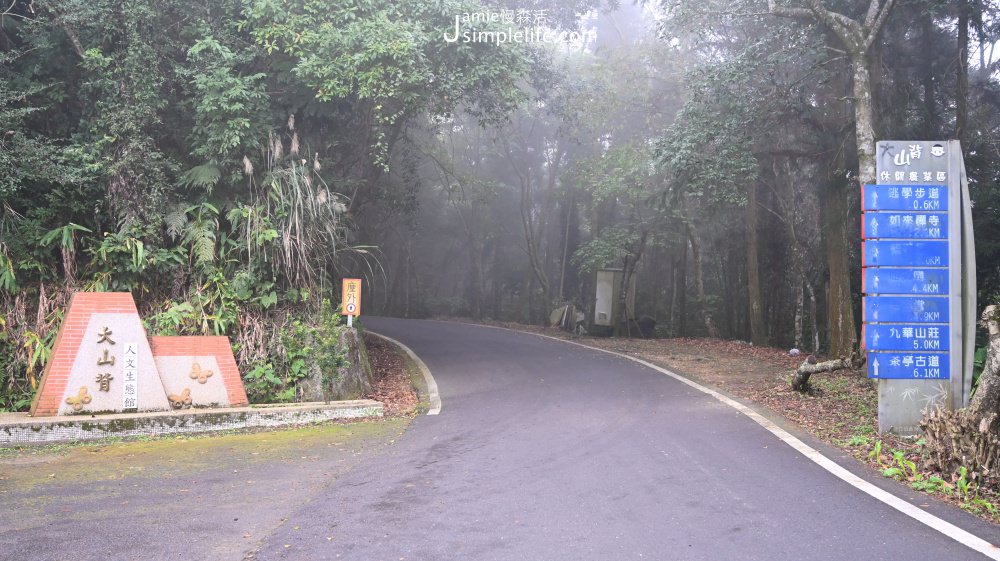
<point>800,382</point>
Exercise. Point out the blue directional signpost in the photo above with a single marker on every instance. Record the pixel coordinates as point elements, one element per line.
<point>918,280</point>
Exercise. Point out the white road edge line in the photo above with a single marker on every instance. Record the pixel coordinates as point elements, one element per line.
<point>432,387</point>
<point>947,528</point>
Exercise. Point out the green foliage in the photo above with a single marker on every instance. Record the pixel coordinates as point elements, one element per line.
<point>174,320</point>
<point>901,468</point>
<point>199,234</point>
<point>963,486</point>
<point>389,58</point>
<point>605,249</point>
<point>8,279</point>
<point>621,178</point>
<point>876,453</point>
<point>205,176</point>
<point>261,382</point>
<point>204,159</point>
<point>932,484</point>
<point>709,150</point>
<point>25,157</point>
<point>859,440</point>
<point>331,353</point>
<point>65,235</point>
<point>978,505</point>
<point>893,472</point>
<point>119,261</point>
<point>230,108</point>
<point>623,172</point>
<point>273,380</point>
<point>978,362</point>
<point>302,349</point>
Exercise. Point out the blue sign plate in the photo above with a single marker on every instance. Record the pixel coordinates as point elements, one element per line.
<point>882,253</point>
<point>882,280</point>
<point>908,225</point>
<point>904,197</point>
<point>906,309</point>
<point>916,366</point>
<point>907,337</point>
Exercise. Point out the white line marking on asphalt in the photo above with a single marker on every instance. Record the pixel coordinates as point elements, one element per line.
<point>432,387</point>
<point>947,528</point>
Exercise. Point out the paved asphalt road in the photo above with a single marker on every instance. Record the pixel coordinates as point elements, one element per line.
<point>545,451</point>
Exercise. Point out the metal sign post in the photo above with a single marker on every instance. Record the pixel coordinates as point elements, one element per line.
<point>918,278</point>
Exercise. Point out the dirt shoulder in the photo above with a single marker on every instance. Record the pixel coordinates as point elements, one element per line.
<point>393,383</point>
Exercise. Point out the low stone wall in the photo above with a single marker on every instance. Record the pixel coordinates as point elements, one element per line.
<point>19,428</point>
<point>349,382</point>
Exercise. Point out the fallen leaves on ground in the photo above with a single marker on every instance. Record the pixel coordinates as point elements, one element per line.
<point>390,383</point>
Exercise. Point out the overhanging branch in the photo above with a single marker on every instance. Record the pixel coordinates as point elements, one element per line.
<point>877,23</point>
<point>794,13</point>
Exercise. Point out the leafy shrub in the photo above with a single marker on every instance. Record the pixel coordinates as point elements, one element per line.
<point>302,349</point>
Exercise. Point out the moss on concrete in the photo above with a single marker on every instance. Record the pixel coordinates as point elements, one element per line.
<point>23,469</point>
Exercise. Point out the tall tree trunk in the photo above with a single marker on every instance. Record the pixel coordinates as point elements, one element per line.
<point>629,264</point>
<point>476,280</point>
<point>962,89</point>
<point>533,243</point>
<point>840,306</point>
<point>758,330</point>
<point>985,403</point>
<point>619,310</point>
<point>679,298</point>
<point>864,118</point>
<point>570,202</point>
<point>813,316</point>
<point>530,300</point>
<point>699,282</point>
<point>415,278</point>
<point>857,37</point>
<point>800,305</point>
<point>497,285</point>
<point>927,79</point>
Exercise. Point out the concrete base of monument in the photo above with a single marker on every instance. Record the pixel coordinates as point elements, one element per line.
<point>19,428</point>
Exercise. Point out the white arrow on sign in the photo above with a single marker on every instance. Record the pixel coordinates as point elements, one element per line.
<point>875,338</point>
<point>875,367</point>
<point>875,200</point>
<point>875,227</point>
<point>875,280</point>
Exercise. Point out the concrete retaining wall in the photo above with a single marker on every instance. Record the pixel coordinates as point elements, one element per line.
<point>19,428</point>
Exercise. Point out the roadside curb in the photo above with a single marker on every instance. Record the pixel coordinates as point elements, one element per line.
<point>20,429</point>
<point>947,528</point>
<point>432,389</point>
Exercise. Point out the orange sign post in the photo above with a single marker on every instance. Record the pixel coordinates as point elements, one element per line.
<point>351,300</point>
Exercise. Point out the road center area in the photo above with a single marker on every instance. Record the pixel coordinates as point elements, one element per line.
<point>550,451</point>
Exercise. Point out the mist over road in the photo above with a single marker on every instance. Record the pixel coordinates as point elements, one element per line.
<point>548,451</point>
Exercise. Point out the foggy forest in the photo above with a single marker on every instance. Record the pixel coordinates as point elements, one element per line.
<point>228,162</point>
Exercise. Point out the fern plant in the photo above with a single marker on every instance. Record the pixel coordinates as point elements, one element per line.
<point>200,233</point>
